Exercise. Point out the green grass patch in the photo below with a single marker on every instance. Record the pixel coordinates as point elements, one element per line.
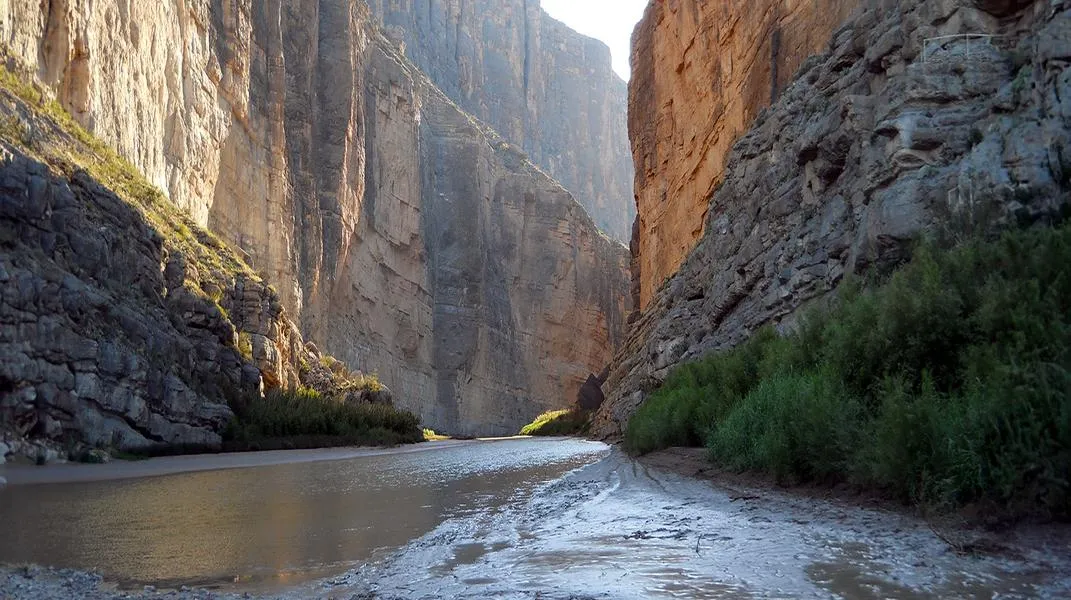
<point>245,345</point>
<point>946,384</point>
<point>558,422</point>
<point>431,436</point>
<point>306,414</point>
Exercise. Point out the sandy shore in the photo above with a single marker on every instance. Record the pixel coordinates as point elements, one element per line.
<point>969,533</point>
<point>121,469</point>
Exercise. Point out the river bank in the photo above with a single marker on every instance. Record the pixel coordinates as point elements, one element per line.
<point>34,582</point>
<point>27,474</point>
<point>969,531</point>
<point>606,526</point>
<point>622,528</point>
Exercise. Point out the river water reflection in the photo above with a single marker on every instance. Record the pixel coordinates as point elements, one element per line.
<point>266,526</point>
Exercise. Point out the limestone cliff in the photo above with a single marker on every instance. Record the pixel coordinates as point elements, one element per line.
<point>404,237</point>
<point>701,73</point>
<point>922,116</point>
<point>122,323</point>
<point>539,84</point>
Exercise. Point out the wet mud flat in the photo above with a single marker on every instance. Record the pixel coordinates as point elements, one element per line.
<point>627,529</point>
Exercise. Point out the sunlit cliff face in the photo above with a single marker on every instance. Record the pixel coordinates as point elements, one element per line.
<point>935,118</point>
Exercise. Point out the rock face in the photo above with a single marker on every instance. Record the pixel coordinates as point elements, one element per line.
<point>922,116</point>
<point>110,335</point>
<point>404,237</point>
<point>92,340</point>
<point>701,73</point>
<point>539,84</point>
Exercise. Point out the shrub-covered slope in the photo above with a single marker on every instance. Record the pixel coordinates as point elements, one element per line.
<point>947,384</point>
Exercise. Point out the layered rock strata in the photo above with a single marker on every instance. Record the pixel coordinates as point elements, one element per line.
<point>922,117</point>
<point>115,331</point>
<point>539,84</point>
<point>701,74</point>
<point>403,236</point>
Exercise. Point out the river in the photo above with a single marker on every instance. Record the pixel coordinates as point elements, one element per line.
<point>519,518</point>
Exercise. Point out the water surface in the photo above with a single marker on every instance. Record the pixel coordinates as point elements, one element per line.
<point>267,526</point>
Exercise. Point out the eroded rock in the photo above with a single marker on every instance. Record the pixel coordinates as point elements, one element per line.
<point>922,117</point>
<point>401,235</point>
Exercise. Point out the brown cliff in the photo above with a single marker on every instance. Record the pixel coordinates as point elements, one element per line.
<point>922,117</point>
<point>701,73</point>
<point>539,84</point>
<point>301,135</point>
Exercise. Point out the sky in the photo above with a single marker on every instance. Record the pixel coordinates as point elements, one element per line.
<point>611,21</point>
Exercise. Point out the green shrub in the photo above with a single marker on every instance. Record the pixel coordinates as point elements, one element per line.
<point>303,412</point>
<point>948,383</point>
<point>798,426</point>
<point>697,395</point>
<point>558,422</point>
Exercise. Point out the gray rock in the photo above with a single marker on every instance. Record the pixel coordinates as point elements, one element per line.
<point>543,87</point>
<point>955,142</point>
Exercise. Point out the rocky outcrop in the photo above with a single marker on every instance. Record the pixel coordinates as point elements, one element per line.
<point>930,117</point>
<point>539,84</point>
<point>403,236</point>
<point>97,345</point>
<point>701,74</point>
<point>122,325</point>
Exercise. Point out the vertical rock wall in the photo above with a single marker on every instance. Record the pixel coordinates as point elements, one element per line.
<point>701,73</point>
<point>539,84</point>
<point>923,117</point>
<point>301,135</point>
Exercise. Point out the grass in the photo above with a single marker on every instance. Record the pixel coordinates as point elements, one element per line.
<point>361,381</point>
<point>245,345</point>
<point>77,149</point>
<point>306,414</point>
<point>947,384</point>
<point>431,436</point>
<point>558,422</point>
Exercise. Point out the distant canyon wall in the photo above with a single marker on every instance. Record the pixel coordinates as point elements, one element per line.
<point>404,237</point>
<point>701,74</point>
<point>944,118</point>
<point>539,84</point>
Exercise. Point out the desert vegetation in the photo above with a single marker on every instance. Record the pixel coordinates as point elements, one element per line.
<point>946,384</point>
<point>570,421</point>
<point>303,418</point>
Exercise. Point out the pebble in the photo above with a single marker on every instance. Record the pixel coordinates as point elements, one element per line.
<point>33,583</point>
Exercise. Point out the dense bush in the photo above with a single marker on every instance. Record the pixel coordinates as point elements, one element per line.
<point>558,422</point>
<point>948,383</point>
<point>309,419</point>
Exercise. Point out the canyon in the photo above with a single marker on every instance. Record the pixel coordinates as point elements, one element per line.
<point>919,118</point>
<point>206,202</point>
<point>702,73</point>
<point>398,232</point>
<point>540,86</point>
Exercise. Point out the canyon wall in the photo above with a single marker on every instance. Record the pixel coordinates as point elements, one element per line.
<point>123,324</point>
<point>701,74</point>
<point>404,237</point>
<point>923,117</point>
<point>539,84</point>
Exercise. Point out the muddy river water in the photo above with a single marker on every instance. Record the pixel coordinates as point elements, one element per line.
<point>505,518</point>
